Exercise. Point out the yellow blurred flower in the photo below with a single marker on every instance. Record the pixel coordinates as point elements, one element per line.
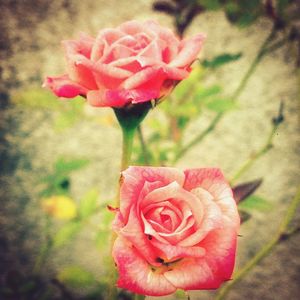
<point>60,207</point>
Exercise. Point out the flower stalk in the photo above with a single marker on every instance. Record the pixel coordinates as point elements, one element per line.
<point>139,297</point>
<point>128,137</point>
<point>129,119</point>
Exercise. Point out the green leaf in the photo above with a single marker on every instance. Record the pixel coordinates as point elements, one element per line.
<point>76,276</point>
<point>65,166</point>
<point>221,105</point>
<point>255,203</point>
<point>202,93</point>
<point>88,204</point>
<point>210,4</point>
<point>66,233</point>
<point>220,60</point>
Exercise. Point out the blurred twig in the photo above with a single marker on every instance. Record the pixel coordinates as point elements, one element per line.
<point>266,250</point>
<point>198,138</point>
<point>264,149</point>
<point>261,53</point>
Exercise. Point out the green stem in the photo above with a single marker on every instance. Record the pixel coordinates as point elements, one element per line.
<point>139,297</point>
<point>127,143</point>
<point>128,137</point>
<point>199,137</point>
<point>291,211</point>
<point>143,145</point>
<point>261,53</point>
<point>129,118</point>
<point>262,151</point>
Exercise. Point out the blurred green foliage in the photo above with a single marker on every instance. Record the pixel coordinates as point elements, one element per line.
<point>76,277</point>
<point>68,113</point>
<point>58,182</point>
<point>66,233</point>
<point>255,202</point>
<point>35,98</point>
<point>88,204</point>
<point>190,98</point>
<point>221,60</point>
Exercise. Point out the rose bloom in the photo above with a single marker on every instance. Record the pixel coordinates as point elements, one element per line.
<point>176,230</point>
<point>133,63</point>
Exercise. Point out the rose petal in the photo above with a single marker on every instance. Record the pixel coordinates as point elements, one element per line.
<point>79,69</point>
<point>133,233</point>
<point>154,50</point>
<point>82,46</point>
<point>134,179</point>
<point>131,96</point>
<point>131,27</point>
<point>165,204</point>
<point>166,35</point>
<point>156,229</point>
<point>211,219</point>
<point>110,35</point>
<point>212,180</point>
<point>99,99</point>
<point>175,191</point>
<point>142,77</point>
<point>108,76</point>
<point>223,256</point>
<point>210,271</point>
<point>62,86</point>
<point>100,49</point>
<point>136,275</point>
<point>175,73</point>
<point>193,274</point>
<point>190,49</point>
<point>149,231</point>
<point>173,252</point>
<point>104,40</point>
<point>175,237</point>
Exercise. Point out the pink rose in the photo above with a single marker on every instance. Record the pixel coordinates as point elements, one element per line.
<point>176,230</point>
<point>136,62</point>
